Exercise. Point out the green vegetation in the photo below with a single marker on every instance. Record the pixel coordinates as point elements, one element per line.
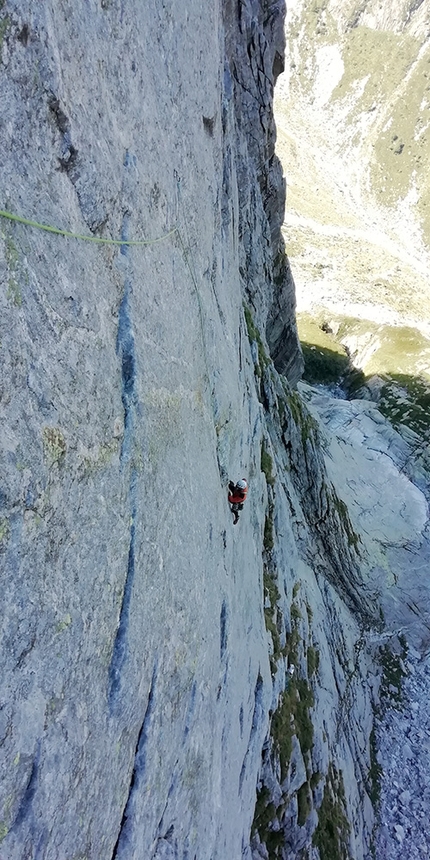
<point>265,813</point>
<point>391,695</point>
<point>400,137</point>
<point>296,615</point>
<point>406,400</point>
<point>255,336</point>
<point>342,511</point>
<point>64,624</point>
<point>271,613</point>
<point>103,456</point>
<point>275,839</point>
<point>326,360</point>
<point>4,24</point>
<point>313,660</point>
<point>267,468</point>
<point>375,772</point>
<point>273,620</point>
<point>301,416</point>
<point>304,804</point>
<point>282,728</point>
<point>54,444</point>
<point>302,720</point>
<point>268,539</point>
<point>315,779</point>
<point>292,718</point>
<point>398,356</point>
<point>4,532</point>
<point>293,637</point>
<point>4,830</point>
<point>292,715</point>
<point>399,349</point>
<point>323,366</point>
<point>331,837</point>
<point>392,674</point>
<point>267,464</point>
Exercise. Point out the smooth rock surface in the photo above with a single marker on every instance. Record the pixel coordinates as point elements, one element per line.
<point>131,609</point>
<point>372,466</point>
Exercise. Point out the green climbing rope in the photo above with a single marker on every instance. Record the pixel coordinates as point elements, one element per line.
<point>98,239</point>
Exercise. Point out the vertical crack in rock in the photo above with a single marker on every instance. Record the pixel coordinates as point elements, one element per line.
<point>166,834</point>
<point>137,774</point>
<point>223,630</point>
<point>257,716</point>
<point>120,647</point>
<point>27,798</point>
<point>69,153</point>
<point>125,348</point>
<point>190,711</point>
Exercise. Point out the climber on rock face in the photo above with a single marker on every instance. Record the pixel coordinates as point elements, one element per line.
<point>237,495</point>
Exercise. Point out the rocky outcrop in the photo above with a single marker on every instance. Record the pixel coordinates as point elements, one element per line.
<point>316,761</point>
<point>255,45</point>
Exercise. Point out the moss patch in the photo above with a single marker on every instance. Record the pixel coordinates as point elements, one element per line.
<point>64,624</point>
<point>304,804</point>
<point>4,532</point>
<point>392,675</point>
<point>4,24</point>
<point>375,772</point>
<point>255,336</point>
<point>331,837</point>
<point>264,815</point>
<point>267,464</point>
<point>272,617</point>
<point>292,715</point>
<point>313,660</point>
<point>406,400</point>
<point>302,417</point>
<point>342,511</point>
<point>292,718</point>
<point>268,538</point>
<point>54,444</point>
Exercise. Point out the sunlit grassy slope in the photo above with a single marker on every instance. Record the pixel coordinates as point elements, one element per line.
<point>353,118</point>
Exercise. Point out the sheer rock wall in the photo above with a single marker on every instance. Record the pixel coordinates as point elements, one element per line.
<point>140,666</point>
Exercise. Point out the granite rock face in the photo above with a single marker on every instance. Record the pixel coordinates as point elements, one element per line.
<point>162,670</point>
<point>130,607</point>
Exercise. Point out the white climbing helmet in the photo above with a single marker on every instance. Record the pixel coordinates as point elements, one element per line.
<point>242,484</point>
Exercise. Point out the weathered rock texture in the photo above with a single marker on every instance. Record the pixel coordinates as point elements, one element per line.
<point>145,641</point>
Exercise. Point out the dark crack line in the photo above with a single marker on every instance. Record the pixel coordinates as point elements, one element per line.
<point>120,648</point>
<point>256,722</point>
<point>27,798</point>
<point>125,346</point>
<point>137,772</point>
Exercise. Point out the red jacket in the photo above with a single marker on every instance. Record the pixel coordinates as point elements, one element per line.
<point>238,496</point>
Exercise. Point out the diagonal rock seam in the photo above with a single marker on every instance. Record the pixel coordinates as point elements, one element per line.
<point>137,772</point>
